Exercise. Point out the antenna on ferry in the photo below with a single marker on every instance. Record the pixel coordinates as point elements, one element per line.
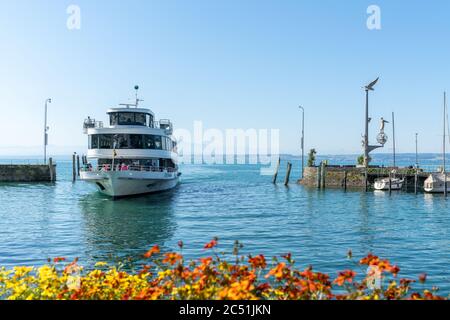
<point>136,87</point>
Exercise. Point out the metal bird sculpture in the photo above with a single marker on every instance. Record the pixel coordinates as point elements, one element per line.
<point>372,84</point>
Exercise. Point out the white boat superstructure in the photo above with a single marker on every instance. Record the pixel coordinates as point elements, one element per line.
<point>383,184</point>
<point>435,183</point>
<point>133,155</point>
<point>440,182</point>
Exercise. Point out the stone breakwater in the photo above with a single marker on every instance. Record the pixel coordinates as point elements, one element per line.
<point>333,177</point>
<point>354,177</point>
<point>27,173</point>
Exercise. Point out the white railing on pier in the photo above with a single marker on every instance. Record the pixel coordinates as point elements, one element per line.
<point>22,162</point>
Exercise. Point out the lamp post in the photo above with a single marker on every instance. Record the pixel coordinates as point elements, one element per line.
<point>303,139</point>
<point>46,130</point>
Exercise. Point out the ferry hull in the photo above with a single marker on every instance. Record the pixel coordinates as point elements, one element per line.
<point>123,184</point>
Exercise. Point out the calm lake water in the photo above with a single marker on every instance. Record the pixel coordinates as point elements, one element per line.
<point>233,202</point>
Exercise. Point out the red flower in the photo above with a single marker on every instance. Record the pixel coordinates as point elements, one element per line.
<point>152,251</point>
<point>59,259</point>
<point>423,278</point>
<point>211,244</point>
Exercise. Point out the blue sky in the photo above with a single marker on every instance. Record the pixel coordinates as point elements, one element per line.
<point>230,64</point>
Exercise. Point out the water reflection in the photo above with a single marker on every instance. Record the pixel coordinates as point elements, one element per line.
<point>366,229</point>
<point>128,226</point>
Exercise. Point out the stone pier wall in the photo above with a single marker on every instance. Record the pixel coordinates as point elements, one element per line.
<point>334,177</point>
<point>27,173</point>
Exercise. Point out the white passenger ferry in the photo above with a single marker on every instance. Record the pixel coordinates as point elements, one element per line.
<point>133,155</point>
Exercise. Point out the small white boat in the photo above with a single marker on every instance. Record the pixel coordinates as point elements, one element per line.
<point>383,184</point>
<point>435,183</point>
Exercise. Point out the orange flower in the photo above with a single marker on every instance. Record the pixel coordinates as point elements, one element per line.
<point>211,244</point>
<point>206,261</point>
<point>394,270</point>
<point>152,251</point>
<point>258,261</point>
<point>172,258</point>
<point>370,260</point>
<point>406,282</point>
<point>345,276</point>
<point>278,271</point>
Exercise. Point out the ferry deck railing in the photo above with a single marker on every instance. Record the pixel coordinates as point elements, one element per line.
<point>131,168</point>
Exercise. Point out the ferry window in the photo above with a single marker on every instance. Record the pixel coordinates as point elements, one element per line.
<point>140,119</point>
<point>93,141</point>
<point>105,141</point>
<point>136,141</point>
<point>114,119</point>
<point>158,143</point>
<point>149,142</point>
<point>122,141</point>
<point>126,118</point>
<point>150,121</point>
<point>169,144</point>
<point>163,143</point>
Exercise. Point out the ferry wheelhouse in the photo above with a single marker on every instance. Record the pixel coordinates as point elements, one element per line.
<point>133,155</point>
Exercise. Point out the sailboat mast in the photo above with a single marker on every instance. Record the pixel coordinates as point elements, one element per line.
<point>445,128</point>
<point>443,144</point>
<point>393,138</point>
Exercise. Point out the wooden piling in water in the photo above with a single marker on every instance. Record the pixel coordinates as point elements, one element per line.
<point>415,182</point>
<point>78,166</point>
<point>366,180</point>
<point>288,174</point>
<point>51,169</point>
<point>319,175</point>
<point>275,176</point>
<point>390,184</point>
<point>74,171</point>
<point>345,180</point>
<point>323,174</point>
<point>445,185</point>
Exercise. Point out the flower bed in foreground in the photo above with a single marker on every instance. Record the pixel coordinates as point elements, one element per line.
<point>169,276</point>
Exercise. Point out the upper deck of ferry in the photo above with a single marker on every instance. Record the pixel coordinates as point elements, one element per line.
<point>129,116</point>
<point>129,119</point>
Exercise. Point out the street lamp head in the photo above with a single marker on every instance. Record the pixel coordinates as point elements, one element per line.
<point>49,100</point>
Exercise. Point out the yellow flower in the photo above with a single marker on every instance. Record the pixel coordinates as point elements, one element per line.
<point>100,264</point>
